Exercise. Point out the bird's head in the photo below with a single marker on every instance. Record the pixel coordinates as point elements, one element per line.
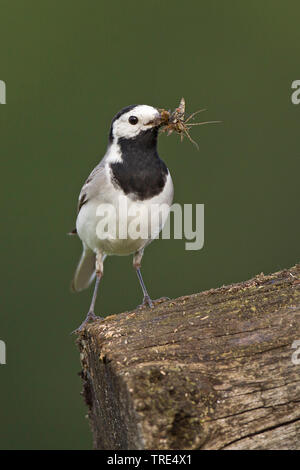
<point>135,121</point>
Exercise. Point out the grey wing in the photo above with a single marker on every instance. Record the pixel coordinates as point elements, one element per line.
<point>93,185</point>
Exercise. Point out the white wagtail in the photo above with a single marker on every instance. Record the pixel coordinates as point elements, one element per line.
<point>131,168</point>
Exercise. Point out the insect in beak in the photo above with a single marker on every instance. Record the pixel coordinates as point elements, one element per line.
<point>176,121</point>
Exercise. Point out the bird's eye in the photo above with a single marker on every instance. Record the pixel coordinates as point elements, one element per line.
<point>133,120</point>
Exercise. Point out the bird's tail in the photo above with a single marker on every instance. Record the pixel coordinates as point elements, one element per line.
<point>85,271</point>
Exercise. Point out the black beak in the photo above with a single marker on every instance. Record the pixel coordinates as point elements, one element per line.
<point>156,122</point>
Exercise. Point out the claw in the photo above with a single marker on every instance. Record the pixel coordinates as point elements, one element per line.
<point>147,302</point>
<point>91,317</point>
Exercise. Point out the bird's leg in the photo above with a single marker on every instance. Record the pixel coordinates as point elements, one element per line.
<point>146,301</point>
<point>91,313</point>
<point>137,258</point>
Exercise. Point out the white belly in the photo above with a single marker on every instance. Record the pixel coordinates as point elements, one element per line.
<point>123,226</point>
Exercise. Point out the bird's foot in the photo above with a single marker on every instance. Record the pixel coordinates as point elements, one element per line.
<point>91,317</point>
<point>147,302</point>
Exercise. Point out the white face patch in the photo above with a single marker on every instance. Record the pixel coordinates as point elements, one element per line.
<point>113,154</point>
<point>145,116</point>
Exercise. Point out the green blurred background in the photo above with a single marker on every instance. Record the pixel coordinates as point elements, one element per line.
<point>69,66</point>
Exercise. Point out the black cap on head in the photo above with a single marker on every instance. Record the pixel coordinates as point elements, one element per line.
<point>119,114</point>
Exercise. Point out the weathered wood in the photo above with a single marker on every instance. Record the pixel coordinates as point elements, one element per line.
<point>207,371</point>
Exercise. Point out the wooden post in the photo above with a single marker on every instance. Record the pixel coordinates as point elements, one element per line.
<point>214,370</point>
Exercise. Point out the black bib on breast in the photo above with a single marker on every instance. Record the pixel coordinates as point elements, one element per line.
<point>141,171</point>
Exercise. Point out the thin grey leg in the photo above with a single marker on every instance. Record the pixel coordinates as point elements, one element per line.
<point>147,300</point>
<point>91,313</point>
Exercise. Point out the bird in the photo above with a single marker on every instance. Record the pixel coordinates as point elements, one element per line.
<point>131,171</point>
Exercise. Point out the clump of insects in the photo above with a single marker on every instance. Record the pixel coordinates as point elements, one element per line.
<point>175,121</point>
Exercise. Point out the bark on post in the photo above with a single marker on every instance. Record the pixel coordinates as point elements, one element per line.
<point>214,370</point>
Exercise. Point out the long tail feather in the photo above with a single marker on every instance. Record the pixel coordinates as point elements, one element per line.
<point>85,271</point>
